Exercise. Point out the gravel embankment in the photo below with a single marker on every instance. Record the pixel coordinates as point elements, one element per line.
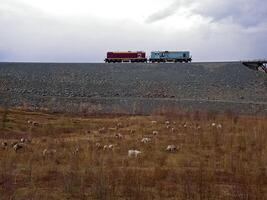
<point>129,87</point>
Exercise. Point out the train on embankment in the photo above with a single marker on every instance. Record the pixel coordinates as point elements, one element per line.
<point>155,57</point>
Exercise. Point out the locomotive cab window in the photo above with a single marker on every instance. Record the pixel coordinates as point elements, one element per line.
<point>184,55</point>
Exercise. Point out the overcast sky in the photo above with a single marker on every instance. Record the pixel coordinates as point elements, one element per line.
<point>84,30</point>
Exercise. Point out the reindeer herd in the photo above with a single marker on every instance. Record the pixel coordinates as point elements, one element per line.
<point>22,143</point>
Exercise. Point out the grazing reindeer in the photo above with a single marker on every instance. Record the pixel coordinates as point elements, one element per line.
<point>133,153</point>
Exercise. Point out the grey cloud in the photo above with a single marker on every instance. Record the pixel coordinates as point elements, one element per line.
<point>164,13</point>
<point>245,13</point>
<point>29,35</point>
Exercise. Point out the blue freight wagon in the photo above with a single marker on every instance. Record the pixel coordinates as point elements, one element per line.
<point>170,56</point>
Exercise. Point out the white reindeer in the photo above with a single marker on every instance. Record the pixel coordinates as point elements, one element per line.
<point>133,153</point>
<point>171,148</point>
<point>145,140</point>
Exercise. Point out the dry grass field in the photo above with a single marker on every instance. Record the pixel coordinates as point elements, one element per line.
<point>64,156</point>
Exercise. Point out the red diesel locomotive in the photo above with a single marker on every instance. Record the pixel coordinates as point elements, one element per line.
<point>128,56</point>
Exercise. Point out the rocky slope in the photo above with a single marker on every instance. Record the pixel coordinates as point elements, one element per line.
<point>43,84</point>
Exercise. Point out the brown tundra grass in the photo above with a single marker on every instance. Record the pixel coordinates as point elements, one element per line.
<point>224,160</point>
